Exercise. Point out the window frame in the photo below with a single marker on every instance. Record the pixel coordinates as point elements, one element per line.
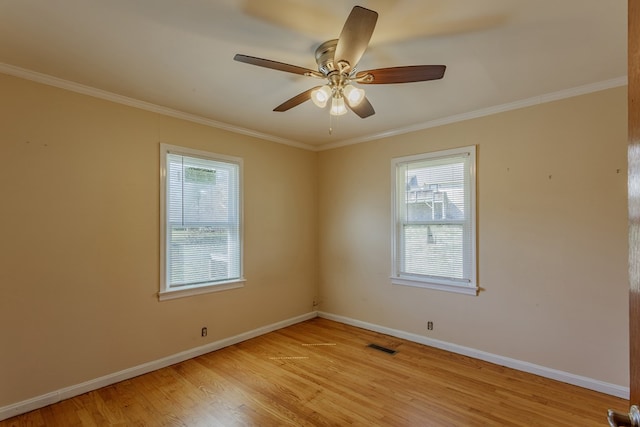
<point>423,281</point>
<point>166,291</point>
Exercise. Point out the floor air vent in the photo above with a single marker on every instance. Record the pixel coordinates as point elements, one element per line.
<point>381,348</point>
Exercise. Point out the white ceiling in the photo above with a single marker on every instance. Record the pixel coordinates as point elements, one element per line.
<point>178,54</point>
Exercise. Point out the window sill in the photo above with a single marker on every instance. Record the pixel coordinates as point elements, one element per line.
<point>447,287</point>
<point>187,291</point>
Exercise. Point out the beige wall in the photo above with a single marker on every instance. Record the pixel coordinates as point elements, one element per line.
<point>552,237</point>
<point>79,242</point>
<point>79,239</point>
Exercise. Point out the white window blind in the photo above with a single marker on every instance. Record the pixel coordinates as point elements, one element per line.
<point>434,220</point>
<point>202,220</point>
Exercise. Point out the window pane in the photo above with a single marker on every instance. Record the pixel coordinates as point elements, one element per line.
<point>201,255</point>
<point>203,221</point>
<point>435,192</point>
<point>434,217</point>
<point>201,191</point>
<point>434,250</point>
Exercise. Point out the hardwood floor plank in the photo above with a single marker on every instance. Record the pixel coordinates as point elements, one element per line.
<point>321,373</point>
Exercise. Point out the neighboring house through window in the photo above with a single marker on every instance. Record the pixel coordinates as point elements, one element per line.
<point>201,222</point>
<point>434,229</point>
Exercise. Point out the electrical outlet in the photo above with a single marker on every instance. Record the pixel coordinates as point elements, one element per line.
<point>430,325</point>
<point>204,332</point>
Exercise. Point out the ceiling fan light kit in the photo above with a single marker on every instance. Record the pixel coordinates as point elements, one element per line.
<point>338,94</point>
<point>337,60</point>
<point>321,96</point>
<point>353,95</point>
<point>337,106</point>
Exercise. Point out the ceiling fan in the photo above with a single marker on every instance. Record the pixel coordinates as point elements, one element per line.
<point>337,60</point>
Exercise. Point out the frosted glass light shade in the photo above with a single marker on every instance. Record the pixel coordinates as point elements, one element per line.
<point>337,106</point>
<point>353,95</point>
<point>321,96</point>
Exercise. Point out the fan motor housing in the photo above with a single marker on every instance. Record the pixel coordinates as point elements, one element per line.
<point>325,55</point>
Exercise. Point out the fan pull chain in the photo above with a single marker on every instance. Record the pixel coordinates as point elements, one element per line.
<point>331,123</point>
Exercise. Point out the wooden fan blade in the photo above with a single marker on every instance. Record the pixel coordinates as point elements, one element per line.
<point>408,74</point>
<point>296,100</point>
<point>275,65</point>
<point>364,109</point>
<point>355,36</point>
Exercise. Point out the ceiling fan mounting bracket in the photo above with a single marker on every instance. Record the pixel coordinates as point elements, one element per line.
<point>344,67</point>
<point>315,74</point>
<point>367,78</point>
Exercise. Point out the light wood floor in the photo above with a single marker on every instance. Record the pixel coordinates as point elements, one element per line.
<point>322,373</point>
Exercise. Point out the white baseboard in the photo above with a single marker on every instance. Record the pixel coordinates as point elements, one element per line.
<point>75,390</point>
<point>566,377</point>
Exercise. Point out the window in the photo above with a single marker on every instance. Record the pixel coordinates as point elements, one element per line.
<point>201,228</point>
<point>434,220</point>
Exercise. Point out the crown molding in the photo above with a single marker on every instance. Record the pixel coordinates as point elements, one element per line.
<point>516,105</point>
<point>147,106</point>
